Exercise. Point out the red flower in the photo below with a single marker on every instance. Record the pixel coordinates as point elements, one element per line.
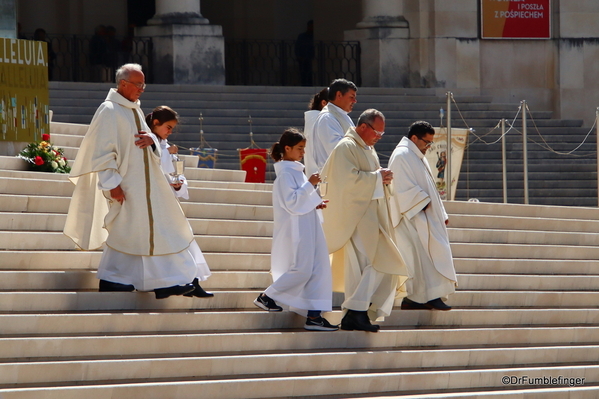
<point>46,137</point>
<point>38,160</point>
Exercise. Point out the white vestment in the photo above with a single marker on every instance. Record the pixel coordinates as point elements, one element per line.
<point>309,161</point>
<point>421,235</point>
<point>166,163</point>
<point>329,129</point>
<point>147,238</point>
<point>300,264</point>
<point>367,265</point>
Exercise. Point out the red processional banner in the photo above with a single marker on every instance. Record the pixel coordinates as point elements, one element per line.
<point>515,19</point>
<point>253,161</point>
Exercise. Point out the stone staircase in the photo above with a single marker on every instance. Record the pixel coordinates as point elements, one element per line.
<point>554,179</point>
<point>526,308</point>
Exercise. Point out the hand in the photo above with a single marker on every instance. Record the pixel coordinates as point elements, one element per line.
<point>118,194</point>
<point>322,205</point>
<point>173,149</point>
<point>177,186</point>
<point>314,179</point>
<point>387,175</point>
<point>145,140</point>
<point>446,222</point>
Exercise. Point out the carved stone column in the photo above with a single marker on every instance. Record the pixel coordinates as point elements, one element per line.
<point>187,48</point>
<point>8,19</point>
<point>383,34</point>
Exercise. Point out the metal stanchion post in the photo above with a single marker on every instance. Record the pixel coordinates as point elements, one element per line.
<point>503,159</point>
<point>448,165</point>
<point>524,151</point>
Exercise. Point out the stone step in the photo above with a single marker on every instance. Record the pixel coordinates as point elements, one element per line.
<point>196,178</point>
<point>19,240</point>
<point>523,251</point>
<point>458,221</point>
<point>520,210</point>
<point>306,385</point>
<point>522,237</point>
<point>101,345</point>
<point>15,221</point>
<point>580,392</point>
<point>19,323</point>
<point>53,204</point>
<point>201,366</point>
<point>60,301</point>
<point>36,280</point>
<point>526,266</point>
<point>65,188</point>
<point>89,260</point>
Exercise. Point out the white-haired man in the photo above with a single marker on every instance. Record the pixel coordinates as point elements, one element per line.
<point>122,199</point>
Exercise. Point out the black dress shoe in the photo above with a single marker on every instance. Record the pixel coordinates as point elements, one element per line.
<point>437,304</point>
<point>408,304</point>
<point>198,291</point>
<point>358,320</point>
<point>162,293</point>
<point>109,286</point>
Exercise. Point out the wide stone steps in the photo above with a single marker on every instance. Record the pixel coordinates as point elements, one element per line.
<point>203,367</point>
<point>297,386</point>
<point>526,305</point>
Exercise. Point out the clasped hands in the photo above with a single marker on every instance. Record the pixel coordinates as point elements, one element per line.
<point>387,175</point>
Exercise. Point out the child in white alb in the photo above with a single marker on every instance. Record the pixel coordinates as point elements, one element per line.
<point>162,120</point>
<point>300,263</point>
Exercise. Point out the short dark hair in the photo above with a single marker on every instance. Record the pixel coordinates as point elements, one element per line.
<point>420,129</point>
<point>369,116</point>
<point>342,86</point>
<point>290,137</point>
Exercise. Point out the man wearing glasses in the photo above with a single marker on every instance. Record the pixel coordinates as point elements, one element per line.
<point>367,265</point>
<point>123,200</point>
<point>420,220</point>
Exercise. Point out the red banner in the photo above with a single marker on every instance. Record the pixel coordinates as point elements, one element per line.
<point>516,19</point>
<point>253,161</point>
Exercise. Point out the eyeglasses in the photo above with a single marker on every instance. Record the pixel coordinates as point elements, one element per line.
<point>380,134</point>
<point>427,143</point>
<point>140,86</point>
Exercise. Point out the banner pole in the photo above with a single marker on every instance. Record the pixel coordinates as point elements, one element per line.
<point>597,129</point>
<point>503,160</point>
<point>524,151</point>
<point>448,166</point>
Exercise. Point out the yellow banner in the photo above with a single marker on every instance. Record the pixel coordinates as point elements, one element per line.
<point>24,98</point>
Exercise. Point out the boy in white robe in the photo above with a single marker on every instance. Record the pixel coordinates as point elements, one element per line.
<point>419,220</point>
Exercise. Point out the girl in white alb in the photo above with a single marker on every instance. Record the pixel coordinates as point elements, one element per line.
<point>162,120</point>
<point>300,264</point>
